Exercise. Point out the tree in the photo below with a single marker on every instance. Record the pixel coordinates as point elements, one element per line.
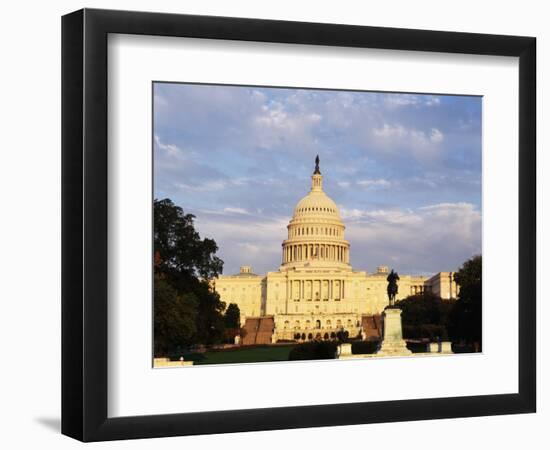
<point>182,252</point>
<point>174,317</point>
<point>465,317</point>
<point>232,316</point>
<point>425,316</point>
<point>313,350</point>
<point>183,264</point>
<point>210,323</point>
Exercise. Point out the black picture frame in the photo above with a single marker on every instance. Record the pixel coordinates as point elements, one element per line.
<point>84,224</point>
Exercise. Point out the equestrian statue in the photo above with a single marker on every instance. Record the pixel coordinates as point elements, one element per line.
<point>393,277</point>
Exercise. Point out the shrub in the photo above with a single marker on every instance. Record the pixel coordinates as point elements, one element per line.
<point>313,350</point>
<point>364,347</point>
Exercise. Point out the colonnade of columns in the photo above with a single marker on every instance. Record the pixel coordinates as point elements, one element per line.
<point>417,289</point>
<point>316,290</point>
<point>308,252</point>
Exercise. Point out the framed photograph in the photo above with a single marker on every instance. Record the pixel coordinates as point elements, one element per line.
<point>272,224</point>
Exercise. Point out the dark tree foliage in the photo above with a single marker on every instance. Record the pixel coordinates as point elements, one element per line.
<point>182,252</point>
<point>313,350</point>
<point>232,316</point>
<point>465,319</point>
<point>425,316</point>
<point>232,322</point>
<point>210,323</point>
<point>364,347</point>
<point>183,264</point>
<point>175,317</point>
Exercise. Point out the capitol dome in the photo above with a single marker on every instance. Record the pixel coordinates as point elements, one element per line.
<point>316,204</point>
<point>316,231</point>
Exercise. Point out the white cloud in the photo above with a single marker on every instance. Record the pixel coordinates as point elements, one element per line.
<point>398,100</point>
<point>436,136</point>
<point>377,183</point>
<point>232,210</point>
<point>438,236</point>
<point>388,131</point>
<point>275,125</point>
<point>170,150</point>
<point>412,135</point>
<point>432,101</point>
<point>245,239</point>
<point>401,99</point>
<point>424,146</point>
<point>212,185</point>
<point>380,216</point>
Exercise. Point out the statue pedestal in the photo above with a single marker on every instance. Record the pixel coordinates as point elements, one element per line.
<point>446,347</point>
<point>343,350</point>
<point>393,343</point>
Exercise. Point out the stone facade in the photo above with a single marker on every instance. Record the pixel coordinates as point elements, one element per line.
<point>316,293</point>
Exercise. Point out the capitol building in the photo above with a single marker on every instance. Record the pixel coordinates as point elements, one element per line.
<point>316,293</point>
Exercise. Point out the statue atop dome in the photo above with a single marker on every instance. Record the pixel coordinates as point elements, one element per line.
<point>317,171</point>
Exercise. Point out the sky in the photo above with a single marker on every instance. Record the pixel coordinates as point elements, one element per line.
<point>404,169</point>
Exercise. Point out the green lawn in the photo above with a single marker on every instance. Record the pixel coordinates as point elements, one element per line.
<point>246,355</point>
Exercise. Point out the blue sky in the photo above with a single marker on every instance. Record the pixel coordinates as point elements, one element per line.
<point>404,169</point>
